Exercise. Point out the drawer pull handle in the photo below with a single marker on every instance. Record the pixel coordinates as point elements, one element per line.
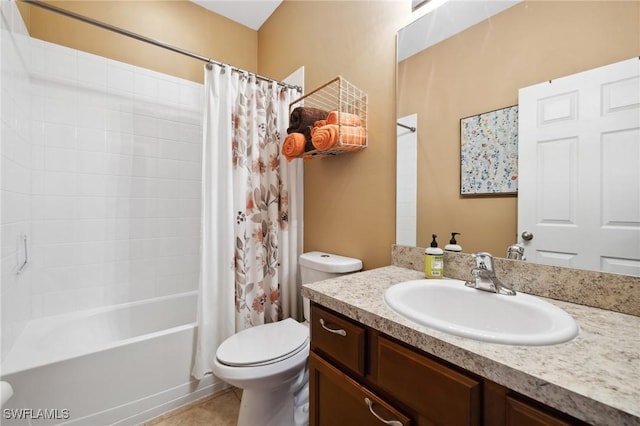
<point>386,422</point>
<point>338,331</point>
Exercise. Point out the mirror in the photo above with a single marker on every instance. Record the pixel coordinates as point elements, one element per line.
<point>469,57</point>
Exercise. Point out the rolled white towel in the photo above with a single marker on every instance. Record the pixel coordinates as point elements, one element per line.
<point>6,392</point>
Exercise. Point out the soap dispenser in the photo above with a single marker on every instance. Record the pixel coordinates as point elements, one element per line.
<point>453,244</point>
<point>433,260</point>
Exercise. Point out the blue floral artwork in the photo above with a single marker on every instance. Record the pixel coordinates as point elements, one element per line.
<point>489,153</point>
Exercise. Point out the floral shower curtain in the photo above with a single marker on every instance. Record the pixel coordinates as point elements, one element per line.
<point>261,202</point>
<point>247,274</point>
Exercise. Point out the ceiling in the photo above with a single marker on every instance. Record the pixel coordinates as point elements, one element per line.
<point>250,13</point>
<point>443,19</point>
<point>438,20</point>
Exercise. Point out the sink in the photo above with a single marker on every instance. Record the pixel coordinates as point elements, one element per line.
<point>450,306</point>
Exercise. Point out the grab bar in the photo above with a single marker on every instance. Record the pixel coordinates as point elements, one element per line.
<point>26,256</point>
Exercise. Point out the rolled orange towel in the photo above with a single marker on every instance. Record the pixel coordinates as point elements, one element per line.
<point>353,135</point>
<point>344,118</point>
<point>293,145</point>
<point>326,137</point>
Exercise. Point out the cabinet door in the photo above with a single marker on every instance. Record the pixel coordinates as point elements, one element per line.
<point>336,399</point>
<point>519,413</point>
<point>439,394</point>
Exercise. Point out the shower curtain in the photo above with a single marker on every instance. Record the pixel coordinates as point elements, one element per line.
<point>251,224</point>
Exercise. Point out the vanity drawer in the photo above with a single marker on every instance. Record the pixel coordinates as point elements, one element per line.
<point>338,338</point>
<point>438,393</point>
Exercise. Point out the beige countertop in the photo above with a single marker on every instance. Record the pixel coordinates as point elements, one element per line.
<point>594,377</point>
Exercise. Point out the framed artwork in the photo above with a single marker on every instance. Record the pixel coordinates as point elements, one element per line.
<point>489,153</point>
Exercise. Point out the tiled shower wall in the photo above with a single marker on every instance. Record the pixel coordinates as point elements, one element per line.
<point>115,181</point>
<point>15,163</point>
<point>113,158</point>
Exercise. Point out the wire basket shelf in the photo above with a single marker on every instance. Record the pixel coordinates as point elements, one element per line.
<point>347,105</point>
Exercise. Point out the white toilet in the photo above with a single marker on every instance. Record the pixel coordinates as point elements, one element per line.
<point>269,362</point>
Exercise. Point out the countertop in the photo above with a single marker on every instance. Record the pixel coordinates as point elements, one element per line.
<point>594,377</point>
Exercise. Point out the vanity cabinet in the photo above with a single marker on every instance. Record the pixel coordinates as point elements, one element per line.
<point>358,376</point>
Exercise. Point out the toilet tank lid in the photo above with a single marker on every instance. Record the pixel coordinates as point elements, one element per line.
<point>327,262</point>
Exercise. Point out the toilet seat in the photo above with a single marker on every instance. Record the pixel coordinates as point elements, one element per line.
<point>264,344</point>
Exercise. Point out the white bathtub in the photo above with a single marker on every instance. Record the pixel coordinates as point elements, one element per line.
<point>121,364</point>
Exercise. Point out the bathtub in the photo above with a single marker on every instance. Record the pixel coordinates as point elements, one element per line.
<point>122,364</point>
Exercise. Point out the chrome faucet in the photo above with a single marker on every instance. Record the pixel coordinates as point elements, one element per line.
<point>515,252</point>
<point>484,277</point>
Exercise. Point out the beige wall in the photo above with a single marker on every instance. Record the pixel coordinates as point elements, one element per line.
<point>179,23</point>
<point>481,70</point>
<point>349,199</point>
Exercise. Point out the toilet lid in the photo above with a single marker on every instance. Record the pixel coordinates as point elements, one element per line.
<point>264,344</point>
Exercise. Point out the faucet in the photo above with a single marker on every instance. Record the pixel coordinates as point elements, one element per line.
<point>484,277</point>
<point>515,252</point>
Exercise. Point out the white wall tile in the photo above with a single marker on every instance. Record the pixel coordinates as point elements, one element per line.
<point>119,78</point>
<point>59,111</point>
<point>59,135</point>
<point>60,183</point>
<point>16,149</point>
<point>53,207</point>
<point>107,182</point>
<point>60,160</point>
<point>60,63</point>
<point>145,146</point>
<point>145,86</point>
<point>191,133</point>
<point>144,125</point>
<point>15,177</point>
<point>119,142</point>
<point>15,207</point>
<point>168,129</point>
<point>92,117</point>
<point>168,92</point>
<point>145,167</point>
<point>119,121</point>
<point>92,70</point>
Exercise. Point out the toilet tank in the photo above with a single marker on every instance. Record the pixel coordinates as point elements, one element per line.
<point>318,266</point>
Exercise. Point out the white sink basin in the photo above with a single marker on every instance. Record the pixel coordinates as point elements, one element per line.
<point>452,307</point>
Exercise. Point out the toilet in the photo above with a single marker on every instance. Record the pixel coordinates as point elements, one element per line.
<point>269,362</point>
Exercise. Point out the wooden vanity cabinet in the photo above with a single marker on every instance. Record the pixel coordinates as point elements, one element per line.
<point>358,376</point>
<point>350,362</point>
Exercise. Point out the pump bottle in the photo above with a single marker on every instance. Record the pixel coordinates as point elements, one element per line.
<point>433,260</point>
<point>453,244</point>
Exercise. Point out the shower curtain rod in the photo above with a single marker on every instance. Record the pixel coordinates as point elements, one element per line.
<point>413,129</point>
<point>149,40</point>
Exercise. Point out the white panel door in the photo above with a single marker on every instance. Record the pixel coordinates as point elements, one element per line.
<point>579,169</point>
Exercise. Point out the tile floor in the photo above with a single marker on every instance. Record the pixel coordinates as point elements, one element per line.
<point>218,410</point>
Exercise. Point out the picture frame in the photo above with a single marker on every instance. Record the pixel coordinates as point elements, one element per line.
<point>489,153</point>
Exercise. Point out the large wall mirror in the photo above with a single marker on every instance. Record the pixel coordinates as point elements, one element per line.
<point>466,58</point>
